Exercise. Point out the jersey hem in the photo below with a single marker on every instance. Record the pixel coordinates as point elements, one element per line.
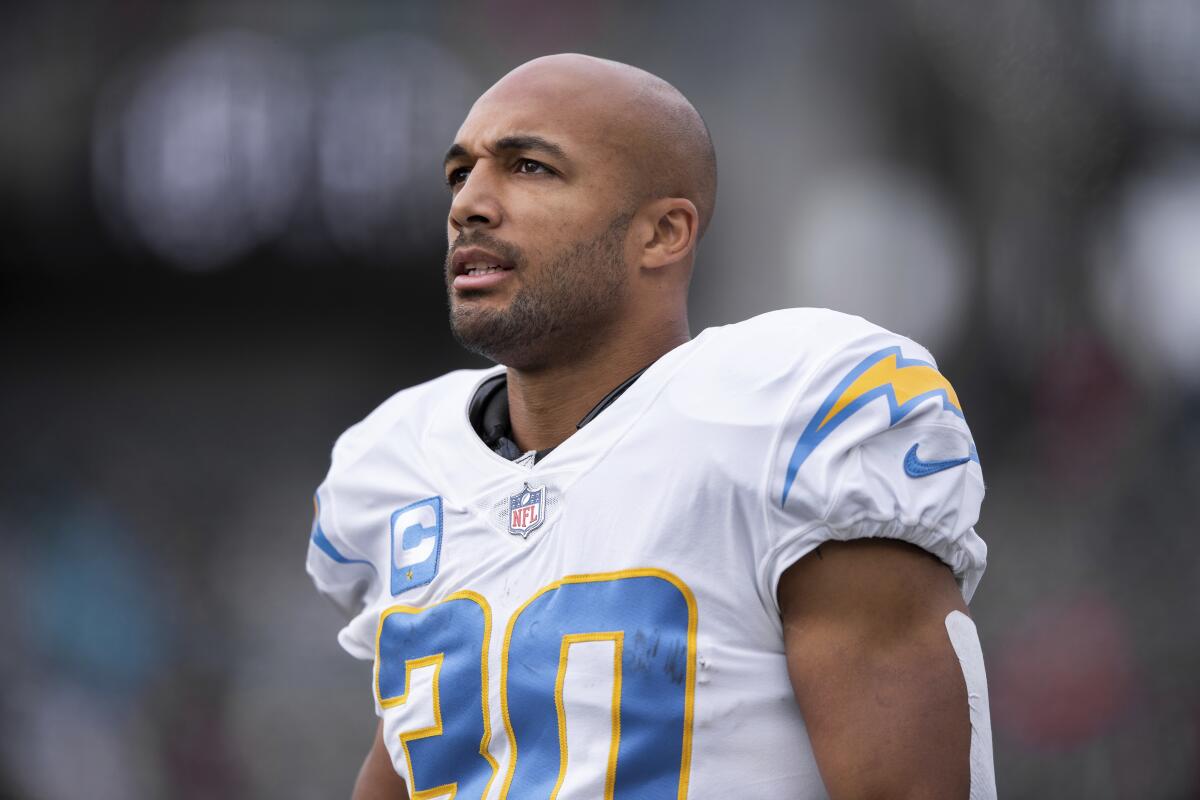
<point>932,540</point>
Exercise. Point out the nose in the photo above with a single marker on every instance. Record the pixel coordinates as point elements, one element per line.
<point>476,203</point>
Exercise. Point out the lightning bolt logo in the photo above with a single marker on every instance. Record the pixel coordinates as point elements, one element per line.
<point>906,383</point>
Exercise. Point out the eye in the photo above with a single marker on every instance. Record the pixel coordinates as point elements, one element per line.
<point>456,176</point>
<point>527,166</point>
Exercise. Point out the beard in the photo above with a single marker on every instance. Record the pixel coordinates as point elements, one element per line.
<point>557,315</point>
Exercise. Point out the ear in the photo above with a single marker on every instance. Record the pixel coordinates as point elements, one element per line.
<point>673,225</point>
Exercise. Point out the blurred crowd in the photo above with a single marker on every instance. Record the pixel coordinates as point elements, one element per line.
<point>222,237</point>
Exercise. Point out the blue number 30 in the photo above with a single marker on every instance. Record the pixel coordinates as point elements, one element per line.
<point>588,655</point>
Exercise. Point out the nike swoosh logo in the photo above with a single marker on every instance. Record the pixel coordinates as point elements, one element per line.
<point>916,467</point>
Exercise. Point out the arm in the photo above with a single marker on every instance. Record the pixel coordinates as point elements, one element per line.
<point>377,779</point>
<point>874,672</point>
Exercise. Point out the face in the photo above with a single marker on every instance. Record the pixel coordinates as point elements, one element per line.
<point>538,264</point>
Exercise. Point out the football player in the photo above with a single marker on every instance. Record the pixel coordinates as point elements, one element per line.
<point>626,563</point>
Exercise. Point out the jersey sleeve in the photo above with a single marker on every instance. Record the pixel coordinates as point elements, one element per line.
<point>875,444</point>
<point>342,572</point>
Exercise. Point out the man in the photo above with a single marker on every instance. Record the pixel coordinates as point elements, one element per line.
<point>632,564</point>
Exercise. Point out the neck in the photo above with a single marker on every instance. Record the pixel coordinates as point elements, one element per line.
<point>546,404</point>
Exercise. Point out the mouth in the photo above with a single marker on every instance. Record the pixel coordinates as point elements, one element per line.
<point>474,269</point>
<point>482,268</point>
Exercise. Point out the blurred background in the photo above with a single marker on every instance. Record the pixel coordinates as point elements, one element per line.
<point>221,227</point>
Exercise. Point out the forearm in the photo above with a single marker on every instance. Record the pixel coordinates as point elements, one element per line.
<point>377,778</point>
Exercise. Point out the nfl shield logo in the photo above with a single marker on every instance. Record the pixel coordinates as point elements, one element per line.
<point>526,510</point>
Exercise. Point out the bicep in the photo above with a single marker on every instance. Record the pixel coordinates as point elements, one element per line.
<point>874,671</point>
<point>377,778</point>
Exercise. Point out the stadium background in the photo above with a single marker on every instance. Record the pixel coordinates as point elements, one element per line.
<point>221,227</point>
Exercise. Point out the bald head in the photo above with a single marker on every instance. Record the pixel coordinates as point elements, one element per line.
<point>579,188</point>
<point>650,130</point>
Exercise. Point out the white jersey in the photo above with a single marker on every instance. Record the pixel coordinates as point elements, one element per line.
<point>604,623</point>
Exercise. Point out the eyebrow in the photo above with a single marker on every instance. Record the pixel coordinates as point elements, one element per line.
<point>520,142</point>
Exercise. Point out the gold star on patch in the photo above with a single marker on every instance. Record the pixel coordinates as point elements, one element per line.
<point>408,575</point>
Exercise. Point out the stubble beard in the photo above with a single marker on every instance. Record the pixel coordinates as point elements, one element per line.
<point>557,316</point>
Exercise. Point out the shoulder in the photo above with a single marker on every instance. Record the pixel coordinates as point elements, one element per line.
<point>790,321</point>
<point>874,442</point>
<point>842,428</point>
<point>407,413</point>
<point>375,462</point>
<point>797,338</point>
<point>760,366</point>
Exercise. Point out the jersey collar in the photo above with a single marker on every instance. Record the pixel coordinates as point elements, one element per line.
<point>488,412</point>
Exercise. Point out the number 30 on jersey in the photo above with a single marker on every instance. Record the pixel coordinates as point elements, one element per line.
<point>597,676</point>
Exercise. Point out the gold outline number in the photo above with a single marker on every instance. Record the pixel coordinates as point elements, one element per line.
<point>436,660</point>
